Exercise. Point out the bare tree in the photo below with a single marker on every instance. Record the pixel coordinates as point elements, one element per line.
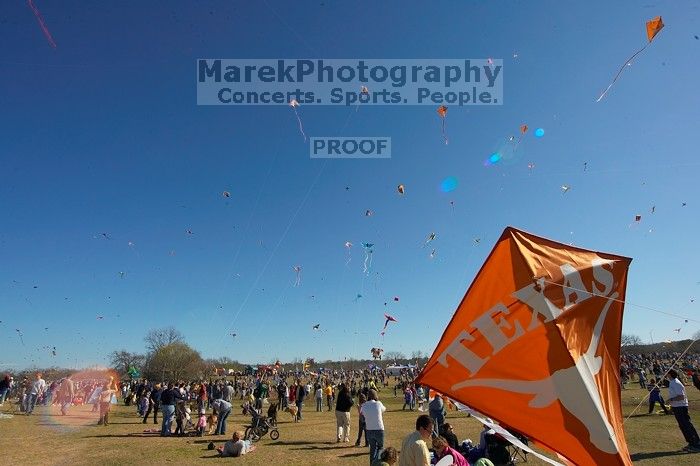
<point>630,340</point>
<point>394,355</point>
<point>417,355</point>
<point>159,337</point>
<point>696,336</point>
<point>122,360</point>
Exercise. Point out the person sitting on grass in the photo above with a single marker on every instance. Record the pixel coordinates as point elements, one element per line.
<point>447,432</point>
<point>442,449</point>
<point>236,446</point>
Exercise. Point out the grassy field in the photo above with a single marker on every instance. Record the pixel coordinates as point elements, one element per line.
<point>51,439</point>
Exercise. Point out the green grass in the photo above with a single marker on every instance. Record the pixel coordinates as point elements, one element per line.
<point>49,438</point>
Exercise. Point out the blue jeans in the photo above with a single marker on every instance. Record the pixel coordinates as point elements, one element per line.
<point>3,394</point>
<point>437,423</point>
<point>376,444</point>
<point>32,402</point>
<point>168,413</point>
<point>299,405</point>
<point>221,424</point>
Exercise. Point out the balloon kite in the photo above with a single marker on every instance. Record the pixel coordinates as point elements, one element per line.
<point>653,27</point>
<point>442,111</point>
<point>386,322</point>
<point>294,104</point>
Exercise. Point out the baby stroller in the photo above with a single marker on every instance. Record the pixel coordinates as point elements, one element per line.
<point>259,427</point>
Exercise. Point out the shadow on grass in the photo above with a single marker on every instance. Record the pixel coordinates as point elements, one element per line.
<point>132,435</point>
<point>297,442</point>
<point>317,447</point>
<point>656,454</point>
<point>354,455</point>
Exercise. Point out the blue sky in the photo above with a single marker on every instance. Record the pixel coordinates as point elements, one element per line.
<point>103,135</point>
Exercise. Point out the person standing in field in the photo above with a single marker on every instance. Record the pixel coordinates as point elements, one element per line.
<point>342,414</point>
<point>362,428</point>
<point>66,392</point>
<point>679,404</point>
<point>37,389</point>
<point>373,412</point>
<point>105,402</point>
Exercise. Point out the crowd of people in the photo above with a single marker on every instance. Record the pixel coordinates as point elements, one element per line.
<point>203,407</point>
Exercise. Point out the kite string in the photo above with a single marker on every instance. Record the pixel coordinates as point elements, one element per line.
<point>286,230</point>
<point>40,19</point>
<point>622,68</point>
<point>301,127</point>
<point>656,385</point>
<point>253,211</point>
<point>443,131</point>
<point>622,301</point>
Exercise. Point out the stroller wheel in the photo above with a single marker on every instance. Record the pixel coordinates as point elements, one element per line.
<point>274,434</point>
<point>251,435</point>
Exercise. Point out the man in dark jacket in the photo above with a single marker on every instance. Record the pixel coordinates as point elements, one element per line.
<point>154,404</point>
<point>301,394</point>
<point>168,399</point>
<point>342,414</point>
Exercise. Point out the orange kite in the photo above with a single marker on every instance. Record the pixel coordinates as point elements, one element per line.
<point>535,345</point>
<point>653,27</point>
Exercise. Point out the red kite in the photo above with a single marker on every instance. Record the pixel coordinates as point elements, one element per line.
<point>539,331</point>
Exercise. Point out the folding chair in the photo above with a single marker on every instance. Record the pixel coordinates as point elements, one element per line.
<point>497,450</point>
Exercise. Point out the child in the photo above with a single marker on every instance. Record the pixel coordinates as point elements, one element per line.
<point>202,422</point>
<point>143,403</point>
<point>654,396</point>
<point>180,418</point>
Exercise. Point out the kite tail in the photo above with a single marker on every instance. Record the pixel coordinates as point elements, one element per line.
<point>47,34</point>
<point>622,68</point>
<point>443,132</point>
<point>301,127</point>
